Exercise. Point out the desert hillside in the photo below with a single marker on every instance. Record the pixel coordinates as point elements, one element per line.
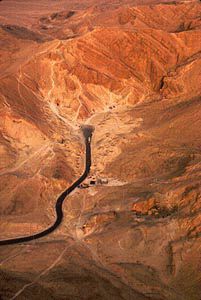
<point>132,70</point>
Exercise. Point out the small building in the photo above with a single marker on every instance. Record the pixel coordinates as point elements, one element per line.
<point>92,182</point>
<point>83,186</point>
<point>104,180</point>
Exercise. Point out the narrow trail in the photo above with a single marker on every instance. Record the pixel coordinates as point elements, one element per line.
<point>44,149</point>
<point>79,91</point>
<point>45,271</point>
<point>87,132</point>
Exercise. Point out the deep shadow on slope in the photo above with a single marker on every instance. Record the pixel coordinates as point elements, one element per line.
<point>24,33</point>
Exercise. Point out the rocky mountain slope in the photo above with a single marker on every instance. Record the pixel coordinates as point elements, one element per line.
<point>132,70</point>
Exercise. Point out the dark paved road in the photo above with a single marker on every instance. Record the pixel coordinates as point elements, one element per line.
<point>87,131</point>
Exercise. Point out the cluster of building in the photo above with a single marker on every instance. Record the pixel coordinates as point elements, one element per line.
<point>93,181</point>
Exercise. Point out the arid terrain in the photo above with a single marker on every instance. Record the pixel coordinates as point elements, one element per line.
<point>132,70</point>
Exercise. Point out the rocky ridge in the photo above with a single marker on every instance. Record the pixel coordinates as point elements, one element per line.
<point>133,72</point>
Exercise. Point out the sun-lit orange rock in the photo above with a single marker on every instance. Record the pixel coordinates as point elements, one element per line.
<point>144,207</point>
<point>131,69</point>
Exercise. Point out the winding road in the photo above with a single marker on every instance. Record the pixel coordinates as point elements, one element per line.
<point>87,132</point>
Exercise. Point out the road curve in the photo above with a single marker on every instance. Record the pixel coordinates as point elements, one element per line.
<point>87,131</point>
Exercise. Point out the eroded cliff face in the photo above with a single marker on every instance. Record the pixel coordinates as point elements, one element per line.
<point>131,70</point>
